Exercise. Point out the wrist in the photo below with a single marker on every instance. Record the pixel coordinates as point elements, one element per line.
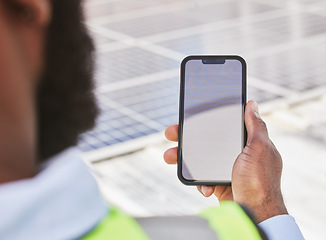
<point>269,207</point>
<point>265,207</point>
<point>265,212</point>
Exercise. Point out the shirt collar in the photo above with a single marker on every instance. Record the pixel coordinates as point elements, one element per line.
<point>61,202</point>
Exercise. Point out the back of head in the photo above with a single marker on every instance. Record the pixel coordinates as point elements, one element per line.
<point>65,99</point>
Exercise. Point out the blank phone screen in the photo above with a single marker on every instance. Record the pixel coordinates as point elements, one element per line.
<point>213,129</point>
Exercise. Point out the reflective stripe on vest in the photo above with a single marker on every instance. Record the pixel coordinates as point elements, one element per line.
<point>229,222</point>
<point>117,226</point>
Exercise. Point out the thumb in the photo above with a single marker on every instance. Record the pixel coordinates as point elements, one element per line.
<point>256,127</point>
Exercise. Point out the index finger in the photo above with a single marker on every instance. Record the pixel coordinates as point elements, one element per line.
<point>171,132</point>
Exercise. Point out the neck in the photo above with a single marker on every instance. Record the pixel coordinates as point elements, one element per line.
<point>16,167</point>
<point>13,173</point>
<point>17,155</point>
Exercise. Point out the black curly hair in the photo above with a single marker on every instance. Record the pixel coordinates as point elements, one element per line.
<point>66,105</point>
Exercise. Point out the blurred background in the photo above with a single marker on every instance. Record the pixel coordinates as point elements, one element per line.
<point>139,48</point>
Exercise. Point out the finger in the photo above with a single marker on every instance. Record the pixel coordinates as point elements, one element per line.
<point>256,127</point>
<point>207,191</point>
<point>223,193</point>
<point>171,155</point>
<point>218,191</point>
<point>171,132</point>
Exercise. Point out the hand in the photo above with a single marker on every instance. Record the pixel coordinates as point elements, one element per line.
<point>223,193</point>
<point>256,175</point>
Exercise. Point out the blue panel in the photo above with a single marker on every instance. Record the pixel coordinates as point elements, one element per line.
<point>113,127</point>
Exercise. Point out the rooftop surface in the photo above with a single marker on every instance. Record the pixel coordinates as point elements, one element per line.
<point>139,48</point>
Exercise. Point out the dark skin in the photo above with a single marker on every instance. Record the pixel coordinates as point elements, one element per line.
<point>256,175</point>
<point>46,82</point>
<point>21,48</point>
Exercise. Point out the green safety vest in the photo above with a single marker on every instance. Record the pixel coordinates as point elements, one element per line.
<point>229,221</point>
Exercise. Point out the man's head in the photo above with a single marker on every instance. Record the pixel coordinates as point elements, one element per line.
<point>46,98</point>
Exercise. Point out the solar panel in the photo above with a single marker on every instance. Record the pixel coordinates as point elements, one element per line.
<point>140,47</point>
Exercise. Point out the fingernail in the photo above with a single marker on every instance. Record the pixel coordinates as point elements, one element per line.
<point>204,190</point>
<point>255,108</point>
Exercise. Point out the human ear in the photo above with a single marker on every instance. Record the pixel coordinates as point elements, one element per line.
<point>35,12</point>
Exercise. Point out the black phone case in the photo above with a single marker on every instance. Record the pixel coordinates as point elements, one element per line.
<point>181,112</point>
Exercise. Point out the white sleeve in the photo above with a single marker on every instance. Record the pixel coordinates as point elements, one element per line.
<point>281,227</point>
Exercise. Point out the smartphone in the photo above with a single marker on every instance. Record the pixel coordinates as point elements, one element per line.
<point>211,118</point>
